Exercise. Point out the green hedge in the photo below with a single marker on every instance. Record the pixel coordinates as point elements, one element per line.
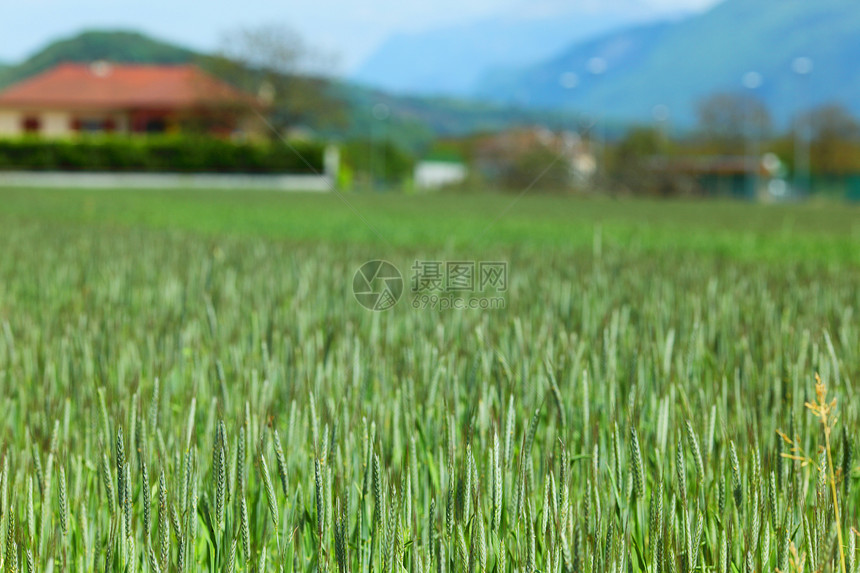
<point>159,154</point>
<point>383,162</point>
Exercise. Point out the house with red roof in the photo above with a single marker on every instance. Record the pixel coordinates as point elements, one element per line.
<point>103,97</point>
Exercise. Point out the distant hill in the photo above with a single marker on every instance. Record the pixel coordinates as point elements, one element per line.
<point>4,69</point>
<point>451,60</point>
<point>116,46</point>
<point>415,121</point>
<point>678,63</point>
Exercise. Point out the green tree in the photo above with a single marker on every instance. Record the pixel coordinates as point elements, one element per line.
<point>727,120</point>
<point>539,168</point>
<point>631,162</point>
<point>377,163</point>
<point>834,135</point>
<point>275,63</point>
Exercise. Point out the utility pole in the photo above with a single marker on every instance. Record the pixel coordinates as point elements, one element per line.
<point>752,81</point>
<point>802,66</point>
<point>597,67</point>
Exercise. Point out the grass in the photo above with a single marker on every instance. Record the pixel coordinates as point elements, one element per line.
<point>827,231</point>
<point>188,385</point>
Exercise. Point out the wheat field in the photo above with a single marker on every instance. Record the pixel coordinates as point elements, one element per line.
<point>196,396</point>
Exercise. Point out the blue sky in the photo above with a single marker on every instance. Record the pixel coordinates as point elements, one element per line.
<point>347,29</point>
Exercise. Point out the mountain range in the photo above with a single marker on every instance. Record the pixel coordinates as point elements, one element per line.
<point>676,64</point>
<point>623,63</point>
<point>451,60</point>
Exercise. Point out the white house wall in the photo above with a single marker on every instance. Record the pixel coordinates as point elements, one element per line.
<point>10,123</point>
<point>56,124</point>
<point>51,123</point>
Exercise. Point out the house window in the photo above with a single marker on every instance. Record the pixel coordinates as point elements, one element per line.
<point>88,124</point>
<point>31,124</point>
<point>156,125</point>
<point>93,125</point>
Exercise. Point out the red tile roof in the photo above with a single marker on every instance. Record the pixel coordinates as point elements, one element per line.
<point>118,86</point>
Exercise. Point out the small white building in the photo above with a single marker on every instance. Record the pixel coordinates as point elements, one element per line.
<point>438,174</point>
